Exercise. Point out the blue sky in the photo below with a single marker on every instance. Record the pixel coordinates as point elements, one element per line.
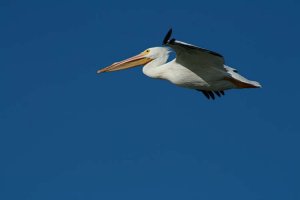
<point>66,133</point>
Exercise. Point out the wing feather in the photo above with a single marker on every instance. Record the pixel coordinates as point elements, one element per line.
<point>187,53</point>
<point>199,60</point>
<point>207,64</point>
<point>197,55</point>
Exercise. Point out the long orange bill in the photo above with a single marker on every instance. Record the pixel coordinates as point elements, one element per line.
<point>134,61</point>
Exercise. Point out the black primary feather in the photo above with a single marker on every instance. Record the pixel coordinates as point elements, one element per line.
<point>168,36</point>
<point>205,94</point>
<point>211,94</point>
<point>217,93</point>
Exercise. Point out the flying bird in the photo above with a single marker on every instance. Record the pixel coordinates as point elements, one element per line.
<point>194,67</point>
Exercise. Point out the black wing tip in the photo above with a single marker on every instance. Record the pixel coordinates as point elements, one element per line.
<point>168,36</point>
<point>173,41</point>
<point>217,93</point>
<point>205,94</point>
<point>210,94</point>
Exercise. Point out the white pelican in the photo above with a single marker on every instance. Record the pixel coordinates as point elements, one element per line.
<point>194,68</point>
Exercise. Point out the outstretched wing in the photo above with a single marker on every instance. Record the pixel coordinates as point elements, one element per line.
<point>193,57</point>
<point>207,64</point>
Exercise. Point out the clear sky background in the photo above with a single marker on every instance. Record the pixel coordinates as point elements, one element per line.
<point>66,133</point>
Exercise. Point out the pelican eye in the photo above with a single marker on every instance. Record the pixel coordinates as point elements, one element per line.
<point>147,51</point>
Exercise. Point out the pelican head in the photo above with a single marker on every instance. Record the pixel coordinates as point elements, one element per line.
<point>142,58</point>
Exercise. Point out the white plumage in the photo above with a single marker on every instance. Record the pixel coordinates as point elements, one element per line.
<point>193,67</point>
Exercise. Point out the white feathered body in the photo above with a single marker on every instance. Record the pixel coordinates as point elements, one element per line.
<point>191,75</point>
<point>194,67</point>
